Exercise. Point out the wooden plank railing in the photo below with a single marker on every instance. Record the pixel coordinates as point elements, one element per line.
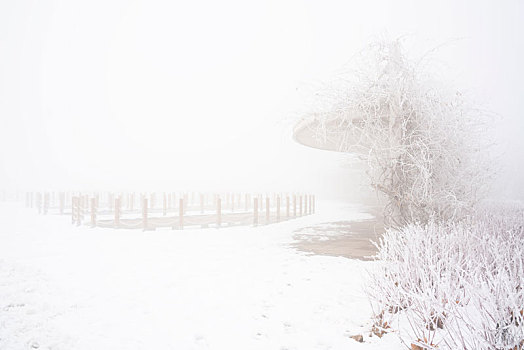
<point>174,210</point>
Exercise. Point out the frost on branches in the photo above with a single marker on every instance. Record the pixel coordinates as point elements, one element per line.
<point>454,285</point>
<point>422,142</point>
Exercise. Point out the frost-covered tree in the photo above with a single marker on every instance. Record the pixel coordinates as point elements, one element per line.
<point>423,142</point>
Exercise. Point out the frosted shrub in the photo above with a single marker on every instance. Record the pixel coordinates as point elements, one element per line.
<point>454,285</point>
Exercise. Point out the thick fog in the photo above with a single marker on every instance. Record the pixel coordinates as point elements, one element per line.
<point>162,95</point>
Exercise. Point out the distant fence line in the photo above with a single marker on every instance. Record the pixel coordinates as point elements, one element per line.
<point>148,211</point>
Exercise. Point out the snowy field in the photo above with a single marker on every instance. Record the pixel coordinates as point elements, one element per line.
<point>68,287</point>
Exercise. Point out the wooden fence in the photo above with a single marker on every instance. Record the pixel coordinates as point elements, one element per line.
<point>148,211</point>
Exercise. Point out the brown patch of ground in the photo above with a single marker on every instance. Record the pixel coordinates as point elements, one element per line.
<point>350,239</point>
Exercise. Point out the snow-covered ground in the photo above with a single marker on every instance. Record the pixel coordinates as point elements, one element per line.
<point>68,287</point>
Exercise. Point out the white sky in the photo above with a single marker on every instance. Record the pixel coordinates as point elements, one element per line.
<point>199,95</point>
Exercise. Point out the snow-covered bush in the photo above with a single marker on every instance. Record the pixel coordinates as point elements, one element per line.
<point>454,285</point>
<point>423,141</point>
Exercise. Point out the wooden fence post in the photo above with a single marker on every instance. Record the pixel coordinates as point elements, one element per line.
<point>48,202</point>
<point>181,213</point>
<point>201,203</point>
<point>267,209</point>
<point>116,223</point>
<point>80,215</point>
<point>246,204</point>
<point>294,205</point>
<point>144,213</point>
<point>164,205</point>
<point>255,211</point>
<point>306,204</point>
<point>287,207</point>
<point>306,212</point>
<point>93,212</point>
<point>39,202</point>
<point>313,204</point>
<point>278,208</point>
<point>300,205</point>
<point>73,209</point>
<point>219,212</point>
<point>78,209</point>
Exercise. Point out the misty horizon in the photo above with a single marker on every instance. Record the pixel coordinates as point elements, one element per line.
<point>157,96</point>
